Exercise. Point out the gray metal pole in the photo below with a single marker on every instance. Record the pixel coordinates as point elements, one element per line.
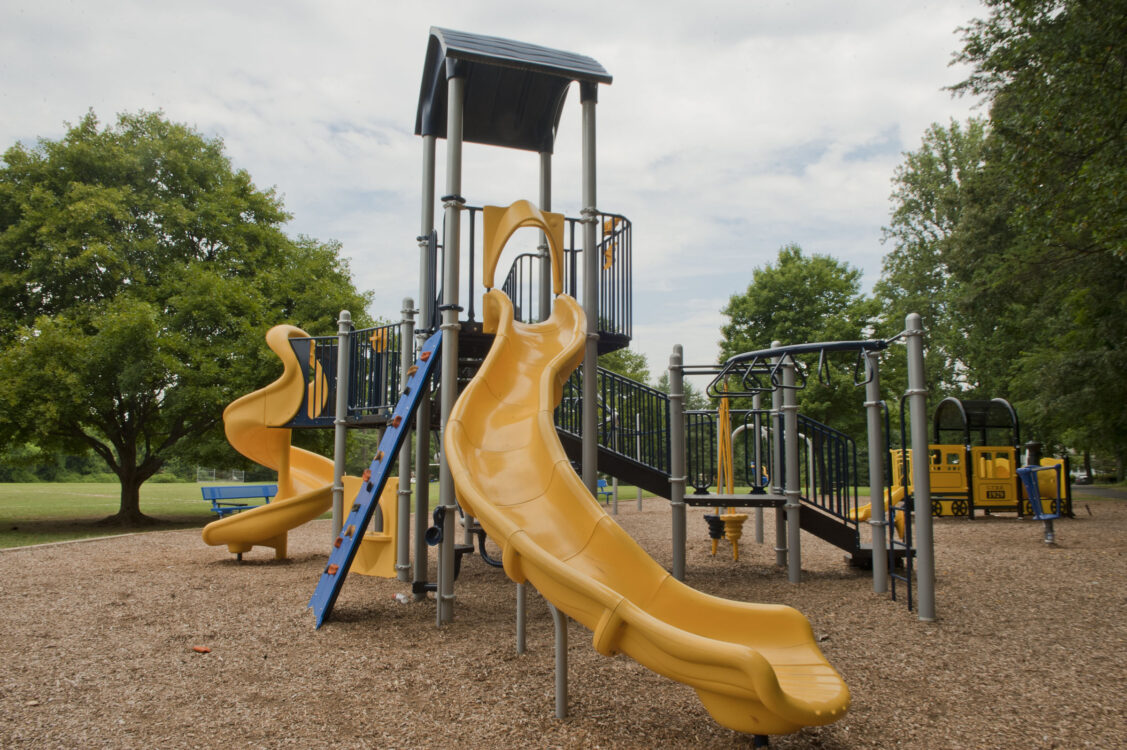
<point>921,480</point>
<point>423,416</point>
<point>677,459</point>
<point>777,470</point>
<point>793,470</point>
<point>614,480</point>
<point>344,331</point>
<point>590,450</point>
<point>876,472</point>
<point>452,243</point>
<point>403,515</point>
<point>522,609</point>
<point>757,425</point>
<point>638,449</point>
<point>545,256</point>
<point>559,621</point>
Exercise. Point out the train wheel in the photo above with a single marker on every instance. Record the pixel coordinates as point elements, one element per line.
<point>959,508</point>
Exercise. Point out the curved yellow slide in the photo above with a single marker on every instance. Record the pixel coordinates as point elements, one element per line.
<point>892,497</point>
<point>305,479</point>
<point>756,667</point>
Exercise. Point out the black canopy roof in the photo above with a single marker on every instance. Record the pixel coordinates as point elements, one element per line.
<point>975,416</point>
<point>514,91</point>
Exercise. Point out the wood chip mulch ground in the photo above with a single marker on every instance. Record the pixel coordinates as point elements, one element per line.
<point>1029,651</point>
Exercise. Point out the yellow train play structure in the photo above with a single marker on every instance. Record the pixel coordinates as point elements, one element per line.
<point>979,472</point>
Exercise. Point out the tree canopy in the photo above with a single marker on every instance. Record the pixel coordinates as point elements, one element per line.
<point>1019,253</point>
<point>798,299</point>
<point>138,273</point>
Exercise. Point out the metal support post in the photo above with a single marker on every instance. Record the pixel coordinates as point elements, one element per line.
<point>793,471</point>
<point>757,425</point>
<point>921,480</point>
<point>340,418</point>
<point>559,621</point>
<point>876,472</point>
<point>522,616</point>
<point>590,448</point>
<point>777,469</point>
<point>545,256</point>
<point>453,203</point>
<point>403,515</point>
<point>427,293</point>
<point>677,459</point>
<point>638,449</point>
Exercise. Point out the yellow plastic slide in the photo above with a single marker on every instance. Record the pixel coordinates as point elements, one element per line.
<point>865,512</point>
<point>305,479</point>
<point>756,667</point>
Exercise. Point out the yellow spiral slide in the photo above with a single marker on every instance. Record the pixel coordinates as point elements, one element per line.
<point>305,479</point>
<point>756,667</point>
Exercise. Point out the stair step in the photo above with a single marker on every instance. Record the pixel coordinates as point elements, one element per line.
<point>763,500</point>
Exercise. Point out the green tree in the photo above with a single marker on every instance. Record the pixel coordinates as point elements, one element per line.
<point>1053,72</point>
<point>140,272</point>
<point>1041,251</point>
<point>804,299</point>
<point>628,364</point>
<point>929,196</point>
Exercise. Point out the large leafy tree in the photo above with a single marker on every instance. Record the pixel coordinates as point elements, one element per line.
<point>628,364</point>
<point>1054,74</point>
<point>929,197</point>
<point>1018,253</point>
<point>1044,243</point>
<point>138,273</point>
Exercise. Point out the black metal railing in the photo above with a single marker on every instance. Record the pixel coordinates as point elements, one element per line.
<point>373,372</point>
<point>373,376</point>
<point>632,418</point>
<point>828,466</point>
<point>523,286</point>
<point>700,450</point>
<point>751,449</point>
<point>522,282</point>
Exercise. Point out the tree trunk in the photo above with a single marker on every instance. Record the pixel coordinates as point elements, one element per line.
<point>129,513</point>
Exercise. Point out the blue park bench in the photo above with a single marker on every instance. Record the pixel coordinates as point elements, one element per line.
<point>227,500</point>
<point>603,491</point>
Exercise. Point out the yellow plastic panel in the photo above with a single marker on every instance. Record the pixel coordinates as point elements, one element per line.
<point>377,551</point>
<point>995,485</point>
<point>755,667</point>
<point>500,224</point>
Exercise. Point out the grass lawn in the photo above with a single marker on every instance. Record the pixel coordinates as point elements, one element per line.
<point>41,512</point>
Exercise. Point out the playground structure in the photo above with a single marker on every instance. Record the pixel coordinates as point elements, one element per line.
<point>524,417</point>
<point>254,425</point>
<point>974,459</point>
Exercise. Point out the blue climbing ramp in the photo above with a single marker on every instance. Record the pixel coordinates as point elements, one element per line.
<point>360,515</point>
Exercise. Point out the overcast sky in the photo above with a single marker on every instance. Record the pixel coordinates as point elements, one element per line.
<point>731,128</point>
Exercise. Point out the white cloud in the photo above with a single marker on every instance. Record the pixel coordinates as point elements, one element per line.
<point>731,127</point>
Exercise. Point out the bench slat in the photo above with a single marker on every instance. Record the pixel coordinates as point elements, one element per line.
<point>239,492</point>
<point>220,497</point>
